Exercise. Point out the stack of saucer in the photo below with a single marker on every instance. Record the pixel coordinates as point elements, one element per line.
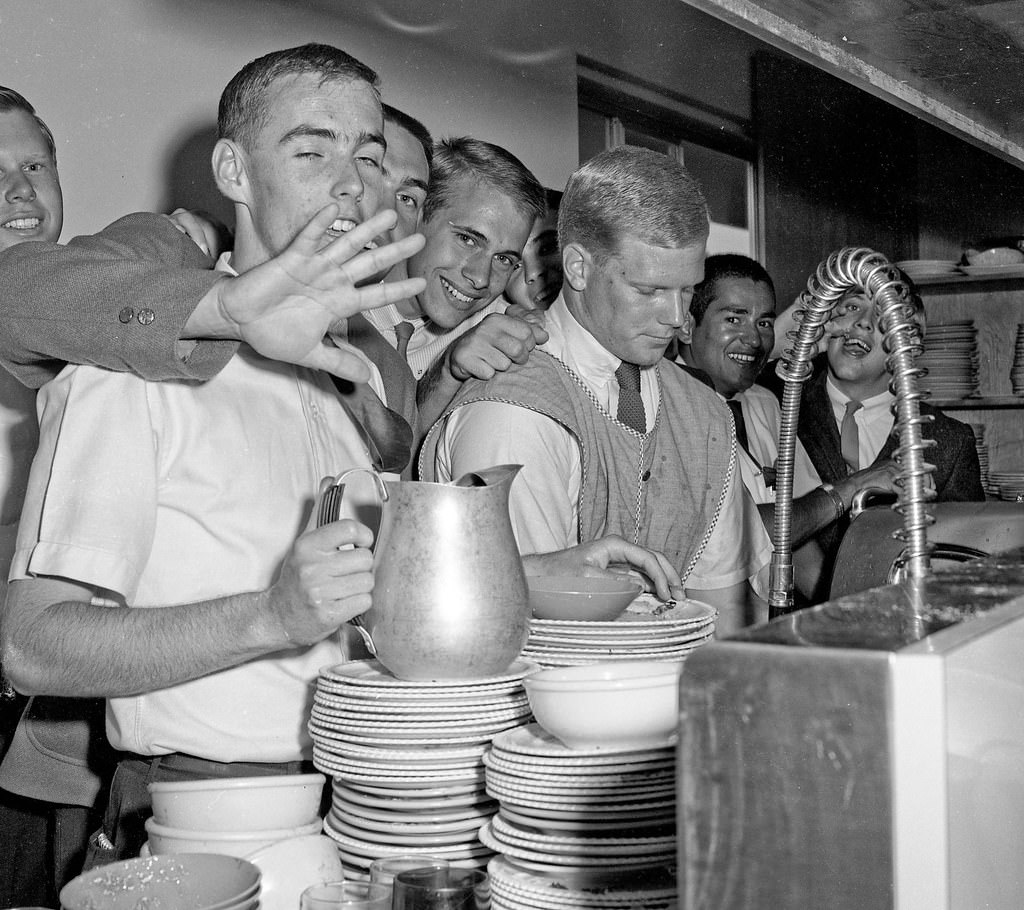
<point>1010,485</point>
<point>650,629</point>
<point>407,760</point>
<point>600,823</point>
<point>951,358</point>
<point>1017,370</point>
<point>923,269</point>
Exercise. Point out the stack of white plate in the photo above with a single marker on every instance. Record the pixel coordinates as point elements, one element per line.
<point>1010,484</point>
<point>983,457</point>
<point>650,629</point>
<point>1017,370</point>
<point>951,358</point>
<point>577,816</point>
<point>407,760</point>
<point>513,888</point>
<point>921,269</point>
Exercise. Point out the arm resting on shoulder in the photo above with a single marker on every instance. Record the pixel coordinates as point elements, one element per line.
<point>83,302</point>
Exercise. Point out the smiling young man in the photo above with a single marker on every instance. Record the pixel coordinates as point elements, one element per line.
<point>613,443</point>
<point>170,515</point>
<point>479,208</point>
<point>732,337</point>
<point>856,383</point>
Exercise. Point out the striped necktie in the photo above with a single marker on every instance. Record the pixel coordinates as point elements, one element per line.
<point>631,405</point>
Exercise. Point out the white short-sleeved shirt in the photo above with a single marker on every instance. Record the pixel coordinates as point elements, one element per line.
<point>762,417</point>
<point>543,501</point>
<point>177,492</point>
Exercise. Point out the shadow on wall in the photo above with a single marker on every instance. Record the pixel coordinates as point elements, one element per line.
<point>190,183</point>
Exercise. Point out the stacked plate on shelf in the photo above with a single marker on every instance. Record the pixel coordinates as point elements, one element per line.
<point>1009,484</point>
<point>951,358</point>
<point>580,827</point>
<point>407,760</point>
<point>924,269</point>
<point>1017,370</point>
<point>650,629</point>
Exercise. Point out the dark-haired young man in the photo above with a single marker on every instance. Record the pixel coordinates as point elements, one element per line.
<point>162,562</point>
<point>730,341</point>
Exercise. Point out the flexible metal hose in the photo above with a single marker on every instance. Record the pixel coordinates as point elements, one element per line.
<point>871,273</point>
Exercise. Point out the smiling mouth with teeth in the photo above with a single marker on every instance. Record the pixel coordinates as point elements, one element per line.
<point>343,225</point>
<point>855,346</point>
<point>455,293</point>
<point>22,224</point>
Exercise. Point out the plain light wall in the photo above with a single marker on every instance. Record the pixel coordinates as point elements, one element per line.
<point>130,87</point>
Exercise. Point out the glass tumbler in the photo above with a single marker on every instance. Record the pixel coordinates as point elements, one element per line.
<point>385,869</point>
<point>346,896</point>
<point>451,889</point>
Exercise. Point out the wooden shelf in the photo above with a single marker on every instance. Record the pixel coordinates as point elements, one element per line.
<point>978,404</point>
<point>953,280</point>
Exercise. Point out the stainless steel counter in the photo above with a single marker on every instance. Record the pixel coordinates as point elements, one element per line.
<point>866,753</point>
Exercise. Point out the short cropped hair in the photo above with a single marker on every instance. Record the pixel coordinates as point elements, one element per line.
<point>10,100</point>
<point>243,109</point>
<point>725,265</point>
<point>411,125</point>
<point>464,156</point>
<point>634,192</point>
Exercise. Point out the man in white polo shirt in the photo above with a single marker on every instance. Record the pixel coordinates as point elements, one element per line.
<point>165,560</point>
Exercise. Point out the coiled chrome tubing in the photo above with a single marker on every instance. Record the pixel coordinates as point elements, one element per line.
<point>872,274</point>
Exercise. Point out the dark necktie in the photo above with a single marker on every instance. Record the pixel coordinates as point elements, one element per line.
<point>403,332</point>
<point>386,434</point>
<point>849,437</point>
<point>741,426</point>
<point>631,405</point>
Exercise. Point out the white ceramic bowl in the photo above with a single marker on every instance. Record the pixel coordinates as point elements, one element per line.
<point>188,880</point>
<point>291,866</point>
<point>621,705</point>
<point>581,598</point>
<point>163,839</point>
<point>238,803</point>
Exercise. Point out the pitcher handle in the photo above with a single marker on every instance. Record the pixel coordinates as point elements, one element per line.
<point>378,482</point>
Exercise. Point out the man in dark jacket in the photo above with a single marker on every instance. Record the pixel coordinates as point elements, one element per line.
<point>846,417</point>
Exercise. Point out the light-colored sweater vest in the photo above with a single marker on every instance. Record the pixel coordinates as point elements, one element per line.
<point>662,490</point>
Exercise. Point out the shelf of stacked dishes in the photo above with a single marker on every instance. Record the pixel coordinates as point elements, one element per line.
<point>974,355</point>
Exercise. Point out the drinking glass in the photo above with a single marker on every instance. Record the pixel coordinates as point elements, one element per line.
<point>346,896</point>
<point>385,869</point>
<point>444,889</point>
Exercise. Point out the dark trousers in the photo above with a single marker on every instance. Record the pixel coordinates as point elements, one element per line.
<point>42,847</point>
<point>123,831</point>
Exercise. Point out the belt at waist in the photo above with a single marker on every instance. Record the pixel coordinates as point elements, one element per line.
<point>205,767</point>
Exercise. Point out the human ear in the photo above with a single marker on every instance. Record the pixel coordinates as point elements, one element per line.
<point>576,266</point>
<point>684,334</point>
<point>229,170</point>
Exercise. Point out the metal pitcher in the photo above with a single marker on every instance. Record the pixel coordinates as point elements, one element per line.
<point>449,596</point>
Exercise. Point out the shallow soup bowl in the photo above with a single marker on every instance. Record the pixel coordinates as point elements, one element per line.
<point>582,598</point>
<point>620,705</point>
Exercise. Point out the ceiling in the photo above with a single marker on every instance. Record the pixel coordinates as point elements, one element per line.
<point>956,63</point>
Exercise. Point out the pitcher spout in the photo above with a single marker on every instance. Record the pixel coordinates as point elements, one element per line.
<point>489,477</point>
